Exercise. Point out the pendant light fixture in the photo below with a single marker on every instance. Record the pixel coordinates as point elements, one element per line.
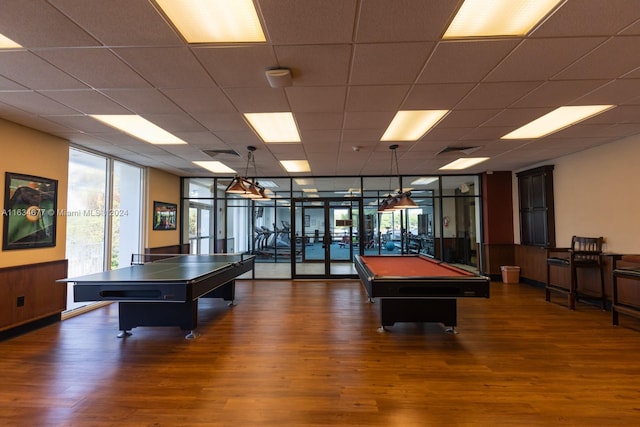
<point>244,186</point>
<point>399,201</point>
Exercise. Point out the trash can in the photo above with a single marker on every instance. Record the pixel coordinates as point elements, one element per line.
<point>510,274</point>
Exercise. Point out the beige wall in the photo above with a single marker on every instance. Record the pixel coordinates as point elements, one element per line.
<point>162,187</point>
<point>595,194</point>
<point>30,152</point>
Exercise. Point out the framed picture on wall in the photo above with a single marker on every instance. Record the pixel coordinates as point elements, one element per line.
<point>30,208</point>
<point>165,216</point>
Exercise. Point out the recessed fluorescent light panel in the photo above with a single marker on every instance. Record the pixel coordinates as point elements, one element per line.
<point>7,43</point>
<point>411,125</point>
<point>482,18</point>
<point>274,127</point>
<point>556,120</point>
<point>425,180</point>
<point>464,163</point>
<point>215,21</point>
<point>214,166</point>
<point>268,184</point>
<point>304,181</point>
<point>295,165</point>
<point>139,127</point>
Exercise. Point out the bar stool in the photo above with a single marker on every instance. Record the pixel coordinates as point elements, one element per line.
<point>584,253</point>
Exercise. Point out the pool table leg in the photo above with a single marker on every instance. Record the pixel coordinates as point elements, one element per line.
<point>125,333</point>
<point>193,334</point>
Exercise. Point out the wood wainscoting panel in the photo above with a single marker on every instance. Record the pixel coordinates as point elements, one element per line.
<point>497,255</point>
<point>30,292</point>
<point>532,261</point>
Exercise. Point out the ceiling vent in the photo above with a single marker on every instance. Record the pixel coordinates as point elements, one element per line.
<point>463,150</point>
<point>214,153</point>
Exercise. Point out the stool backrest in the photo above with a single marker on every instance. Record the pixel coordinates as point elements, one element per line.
<point>586,247</point>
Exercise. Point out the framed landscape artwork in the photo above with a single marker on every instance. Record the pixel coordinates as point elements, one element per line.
<point>165,216</point>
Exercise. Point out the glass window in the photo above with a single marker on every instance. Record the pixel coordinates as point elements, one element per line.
<point>199,188</point>
<point>90,205</point>
<point>126,213</point>
<point>85,226</point>
<point>445,223</point>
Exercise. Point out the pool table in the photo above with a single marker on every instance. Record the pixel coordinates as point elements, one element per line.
<point>416,288</point>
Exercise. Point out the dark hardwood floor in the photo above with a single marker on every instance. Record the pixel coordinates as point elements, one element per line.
<point>309,354</point>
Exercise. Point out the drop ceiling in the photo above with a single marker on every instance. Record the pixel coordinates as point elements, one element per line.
<point>354,63</point>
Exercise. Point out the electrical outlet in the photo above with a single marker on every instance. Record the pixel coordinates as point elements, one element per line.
<point>20,301</point>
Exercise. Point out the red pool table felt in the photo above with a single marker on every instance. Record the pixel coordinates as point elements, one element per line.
<point>411,266</point>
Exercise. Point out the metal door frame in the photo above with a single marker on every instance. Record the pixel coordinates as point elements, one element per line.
<point>300,204</point>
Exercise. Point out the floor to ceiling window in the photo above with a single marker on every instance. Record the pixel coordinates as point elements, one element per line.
<point>86,195</point>
<point>103,214</point>
<point>125,213</point>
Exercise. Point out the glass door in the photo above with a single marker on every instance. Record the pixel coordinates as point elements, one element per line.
<point>327,233</point>
<point>201,227</point>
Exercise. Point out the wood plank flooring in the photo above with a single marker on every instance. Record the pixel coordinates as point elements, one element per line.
<point>308,353</point>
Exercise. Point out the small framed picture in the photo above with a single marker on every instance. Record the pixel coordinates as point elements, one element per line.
<point>165,216</point>
<point>30,209</point>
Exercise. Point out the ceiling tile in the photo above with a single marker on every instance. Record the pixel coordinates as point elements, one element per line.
<point>240,67</point>
<point>96,67</point>
<point>258,100</point>
<point>200,100</point>
<point>321,99</point>
<point>436,96</point>
<point>317,137</point>
<point>35,24</point>
<point>557,93</point>
<point>391,63</point>
<point>120,22</point>
<point>309,22</point>
<point>464,61</point>
<point>30,71</point>
<point>616,92</point>
<point>403,20</point>
<point>167,67</point>
<point>375,98</point>
<point>141,101</point>
<point>175,122</point>
<point>35,103</point>
<point>87,101</point>
<point>589,18</point>
<point>317,65</point>
<point>320,120</point>
<point>496,95</point>
<point>610,60</point>
<point>541,59</point>
<point>468,118</point>
<point>368,120</point>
